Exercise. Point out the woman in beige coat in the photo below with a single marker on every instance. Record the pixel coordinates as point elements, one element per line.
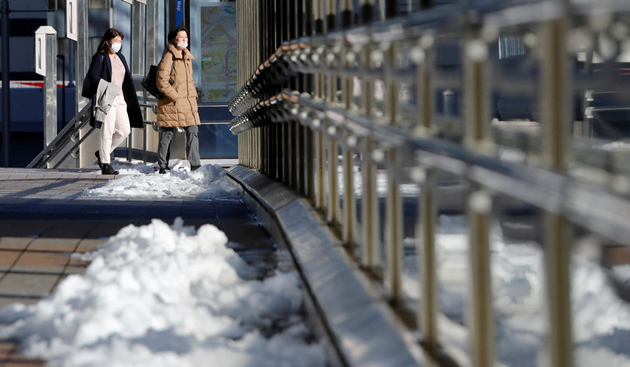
<point>179,106</point>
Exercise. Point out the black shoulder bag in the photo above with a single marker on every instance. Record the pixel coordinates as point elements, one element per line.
<point>149,82</point>
<point>88,89</point>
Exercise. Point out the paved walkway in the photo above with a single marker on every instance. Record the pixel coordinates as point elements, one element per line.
<point>43,221</point>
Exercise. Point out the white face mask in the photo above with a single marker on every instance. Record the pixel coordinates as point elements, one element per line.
<point>115,47</point>
<point>182,44</point>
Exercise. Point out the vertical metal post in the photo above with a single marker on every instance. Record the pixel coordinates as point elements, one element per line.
<point>257,35</point>
<point>297,157</point>
<point>349,202</point>
<point>394,231</point>
<point>256,148</point>
<point>280,152</point>
<point>83,52</point>
<point>425,238</point>
<point>333,182</point>
<point>82,64</point>
<point>369,213</point>
<point>555,119</point>
<point>476,91</point>
<point>250,148</point>
<point>138,17</point>
<point>257,155</point>
<point>275,150</point>
<point>272,150</point>
<point>246,40</point>
<point>50,86</point>
<point>6,84</point>
<point>425,245</point>
<point>309,158</point>
<point>369,200</point>
<point>283,143</point>
<point>264,169</point>
<point>320,168</point>
<point>245,149</point>
<point>392,85</point>
<point>288,156</point>
<point>424,91</point>
<point>394,221</point>
<point>152,57</point>
<point>240,77</point>
<point>151,36</point>
<point>477,97</point>
<point>480,206</point>
<point>263,151</point>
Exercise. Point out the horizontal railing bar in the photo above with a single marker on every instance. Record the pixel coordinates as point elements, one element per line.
<point>537,186</point>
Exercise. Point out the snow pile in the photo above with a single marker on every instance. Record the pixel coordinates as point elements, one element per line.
<point>166,296</point>
<point>209,181</point>
<point>615,146</point>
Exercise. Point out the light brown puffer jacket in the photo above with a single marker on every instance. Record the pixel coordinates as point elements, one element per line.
<point>179,106</point>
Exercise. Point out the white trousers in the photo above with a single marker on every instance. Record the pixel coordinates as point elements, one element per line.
<point>115,128</point>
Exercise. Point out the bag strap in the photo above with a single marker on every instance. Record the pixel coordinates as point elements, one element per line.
<point>170,75</point>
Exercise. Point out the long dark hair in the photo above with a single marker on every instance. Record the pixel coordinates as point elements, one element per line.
<point>109,35</point>
<point>173,34</point>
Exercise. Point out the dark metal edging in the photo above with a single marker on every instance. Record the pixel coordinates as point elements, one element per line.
<point>359,327</point>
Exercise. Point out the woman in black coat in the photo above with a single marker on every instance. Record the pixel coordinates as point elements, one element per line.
<point>110,65</point>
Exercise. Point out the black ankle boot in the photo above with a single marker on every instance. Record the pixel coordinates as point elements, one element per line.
<point>194,168</point>
<point>162,171</point>
<point>98,159</point>
<point>108,170</point>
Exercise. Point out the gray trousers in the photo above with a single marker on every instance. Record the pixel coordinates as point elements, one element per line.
<point>192,145</point>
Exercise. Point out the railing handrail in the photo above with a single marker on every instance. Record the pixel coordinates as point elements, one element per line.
<point>551,191</point>
<point>66,136</point>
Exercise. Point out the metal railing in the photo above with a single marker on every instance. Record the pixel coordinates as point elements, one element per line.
<point>67,142</point>
<point>301,107</point>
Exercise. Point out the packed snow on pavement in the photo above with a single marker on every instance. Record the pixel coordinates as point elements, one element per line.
<point>140,180</point>
<point>168,295</point>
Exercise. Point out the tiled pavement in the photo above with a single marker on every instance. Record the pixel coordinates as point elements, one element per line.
<point>43,221</point>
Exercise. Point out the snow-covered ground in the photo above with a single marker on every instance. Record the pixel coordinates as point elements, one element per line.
<point>160,295</point>
<point>140,180</point>
<point>173,297</point>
